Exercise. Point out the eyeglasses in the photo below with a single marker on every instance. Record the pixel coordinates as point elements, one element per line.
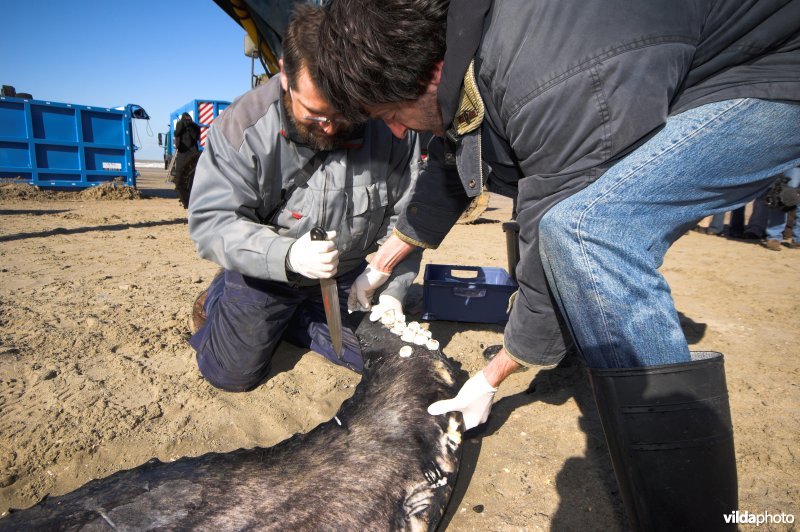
<point>321,120</point>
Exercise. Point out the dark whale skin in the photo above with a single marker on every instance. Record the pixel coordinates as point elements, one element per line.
<point>382,463</point>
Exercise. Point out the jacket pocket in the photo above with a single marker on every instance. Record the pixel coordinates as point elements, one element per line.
<point>298,215</point>
<point>365,216</point>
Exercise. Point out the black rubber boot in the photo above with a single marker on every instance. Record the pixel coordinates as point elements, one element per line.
<point>668,430</point>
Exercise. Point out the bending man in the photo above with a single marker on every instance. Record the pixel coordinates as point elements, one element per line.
<point>616,126</point>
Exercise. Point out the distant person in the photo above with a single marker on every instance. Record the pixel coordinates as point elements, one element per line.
<point>771,221</point>
<point>716,226</point>
<point>280,161</point>
<point>187,136</point>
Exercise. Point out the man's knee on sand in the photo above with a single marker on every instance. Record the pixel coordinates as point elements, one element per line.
<point>234,386</point>
<point>227,357</point>
<point>231,361</point>
<point>255,366</point>
<point>230,379</point>
<point>246,319</point>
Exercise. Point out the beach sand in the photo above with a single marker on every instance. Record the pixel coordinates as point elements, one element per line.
<point>96,374</point>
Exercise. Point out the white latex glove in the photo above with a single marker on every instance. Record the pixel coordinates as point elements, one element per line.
<point>364,286</point>
<point>315,259</point>
<point>385,304</point>
<point>474,401</point>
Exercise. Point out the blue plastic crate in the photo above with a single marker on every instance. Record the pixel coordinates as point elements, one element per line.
<point>466,293</point>
<point>61,145</point>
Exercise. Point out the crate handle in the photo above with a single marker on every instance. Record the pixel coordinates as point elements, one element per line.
<point>469,292</point>
<point>476,278</point>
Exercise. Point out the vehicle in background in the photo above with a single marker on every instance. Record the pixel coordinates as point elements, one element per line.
<point>203,112</point>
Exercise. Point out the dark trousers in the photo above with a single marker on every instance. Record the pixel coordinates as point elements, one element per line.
<point>246,319</point>
<point>183,173</point>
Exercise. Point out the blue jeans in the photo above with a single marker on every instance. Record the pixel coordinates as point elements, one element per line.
<point>602,247</point>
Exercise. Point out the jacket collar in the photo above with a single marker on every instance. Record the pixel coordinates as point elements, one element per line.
<point>465,19</point>
<point>458,94</point>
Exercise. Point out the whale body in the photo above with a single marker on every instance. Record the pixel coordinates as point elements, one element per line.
<point>382,463</point>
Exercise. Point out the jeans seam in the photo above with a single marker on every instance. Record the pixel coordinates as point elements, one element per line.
<point>623,179</point>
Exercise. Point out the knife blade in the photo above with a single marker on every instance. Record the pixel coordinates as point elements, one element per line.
<point>330,300</point>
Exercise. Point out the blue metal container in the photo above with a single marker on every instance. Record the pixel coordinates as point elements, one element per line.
<point>68,146</point>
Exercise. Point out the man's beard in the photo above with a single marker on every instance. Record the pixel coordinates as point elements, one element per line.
<point>432,114</point>
<point>312,134</point>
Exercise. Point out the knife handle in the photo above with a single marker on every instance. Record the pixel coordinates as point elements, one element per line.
<point>318,233</point>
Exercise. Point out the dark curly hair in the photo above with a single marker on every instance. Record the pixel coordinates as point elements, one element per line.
<point>300,41</point>
<point>379,51</point>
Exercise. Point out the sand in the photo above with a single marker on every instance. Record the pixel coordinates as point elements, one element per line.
<point>96,374</point>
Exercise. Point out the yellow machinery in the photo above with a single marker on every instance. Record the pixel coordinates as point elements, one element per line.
<point>265,22</point>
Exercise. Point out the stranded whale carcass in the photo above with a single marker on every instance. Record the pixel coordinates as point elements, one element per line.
<point>382,463</point>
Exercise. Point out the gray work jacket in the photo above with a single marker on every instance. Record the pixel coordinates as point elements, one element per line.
<point>249,160</point>
<point>567,88</point>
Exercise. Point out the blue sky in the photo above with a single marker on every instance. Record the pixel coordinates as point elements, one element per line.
<point>159,54</point>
